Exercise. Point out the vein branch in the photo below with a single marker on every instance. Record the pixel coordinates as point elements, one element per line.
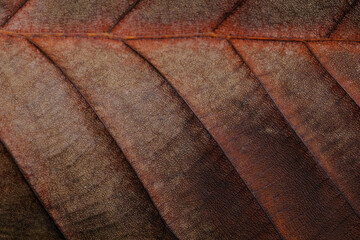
<point>229,13</point>
<point>341,18</point>
<point>204,126</point>
<point>326,70</point>
<point>13,13</point>
<point>122,16</point>
<point>58,228</point>
<point>352,100</point>
<point>294,129</point>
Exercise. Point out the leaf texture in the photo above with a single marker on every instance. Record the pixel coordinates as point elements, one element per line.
<point>180,119</point>
<point>29,220</point>
<point>59,143</point>
<point>166,143</point>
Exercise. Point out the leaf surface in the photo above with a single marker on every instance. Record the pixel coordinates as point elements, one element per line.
<point>323,114</point>
<point>180,119</point>
<point>233,104</point>
<point>188,176</point>
<point>65,152</point>
<point>22,215</point>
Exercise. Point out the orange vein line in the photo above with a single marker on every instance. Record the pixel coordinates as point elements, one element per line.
<point>170,36</point>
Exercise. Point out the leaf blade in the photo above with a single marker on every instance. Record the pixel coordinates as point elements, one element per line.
<point>261,145</point>
<point>60,156</point>
<point>199,194</point>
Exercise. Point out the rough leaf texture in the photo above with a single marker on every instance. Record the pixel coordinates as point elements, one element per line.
<point>180,119</point>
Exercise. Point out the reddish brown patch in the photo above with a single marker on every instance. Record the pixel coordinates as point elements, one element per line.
<point>66,154</point>
<point>342,60</point>
<point>68,15</point>
<point>284,19</point>
<point>197,190</point>
<point>320,111</point>
<point>265,150</point>
<point>349,28</point>
<point>173,17</point>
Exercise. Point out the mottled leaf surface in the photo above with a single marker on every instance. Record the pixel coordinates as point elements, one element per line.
<point>164,119</point>
<point>263,147</point>
<point>189,178</point>
<point>66,153</point>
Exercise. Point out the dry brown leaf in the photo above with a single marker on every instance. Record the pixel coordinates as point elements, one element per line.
<point>184,119</point>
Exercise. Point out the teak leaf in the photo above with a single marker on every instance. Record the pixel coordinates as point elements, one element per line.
<point>164,119</point>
